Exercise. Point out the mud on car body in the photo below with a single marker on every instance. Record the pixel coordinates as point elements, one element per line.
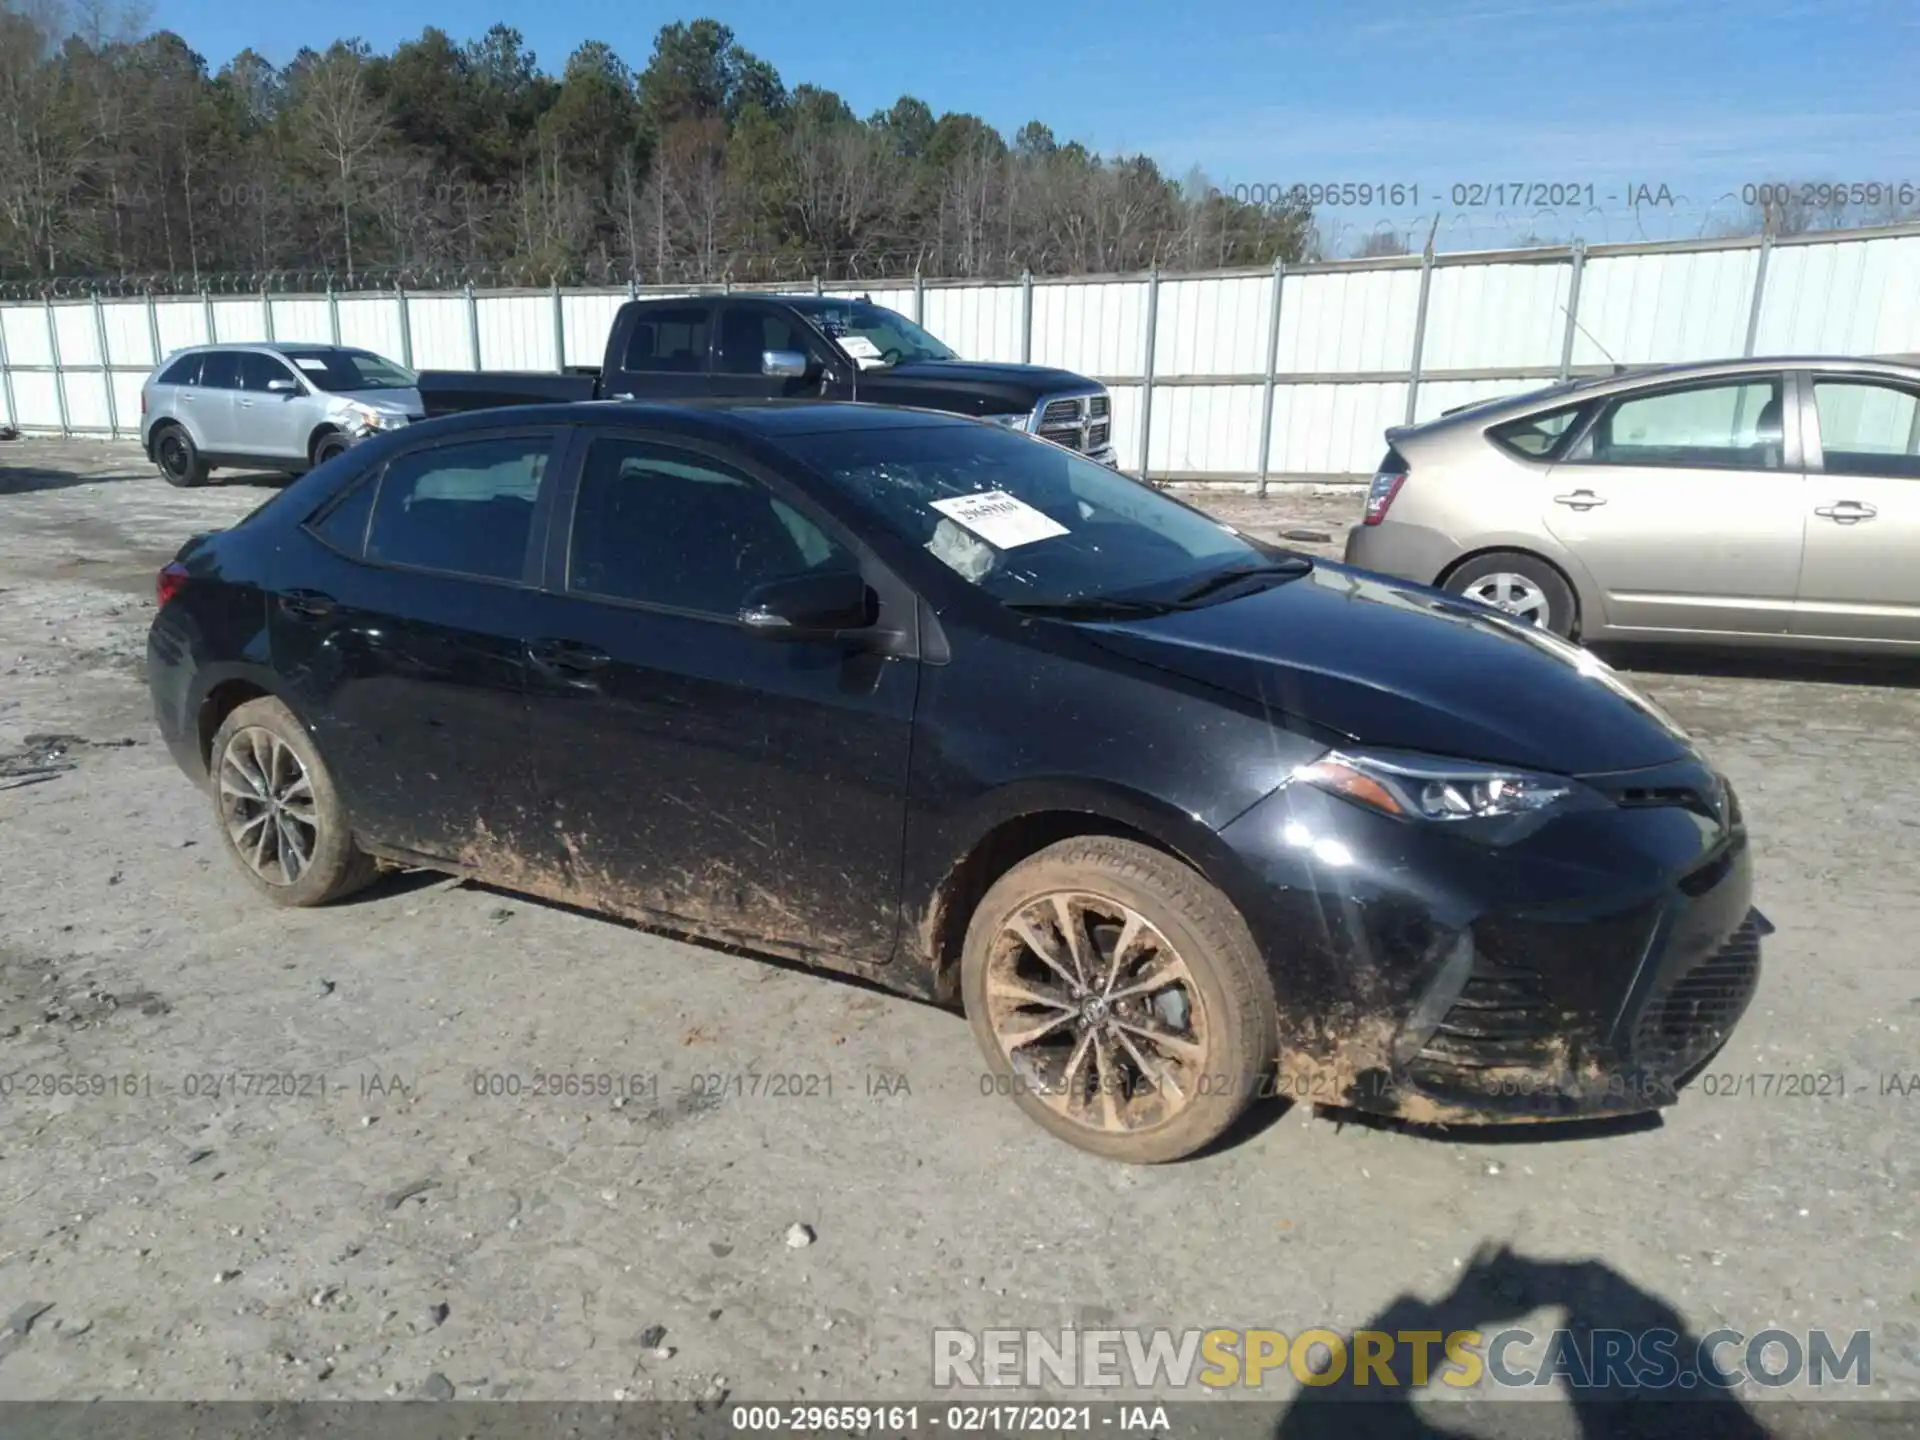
<point>1176,817</point>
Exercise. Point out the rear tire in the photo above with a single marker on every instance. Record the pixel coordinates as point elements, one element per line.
<point>1525,586</point>
<point>178,457</point>
<point>279,816</point>
<point>1119,999</point>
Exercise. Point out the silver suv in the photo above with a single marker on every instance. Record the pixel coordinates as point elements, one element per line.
<point>268,407</point>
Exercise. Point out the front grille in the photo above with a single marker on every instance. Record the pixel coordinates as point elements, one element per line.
<point>1061,412</point>
<point>1097,407</point>
<point>1097,435</point>
<point>1504,1020</point>
<point>1693,1015</point>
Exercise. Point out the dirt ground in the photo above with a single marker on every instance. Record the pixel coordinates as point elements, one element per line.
<point>243,1151</point>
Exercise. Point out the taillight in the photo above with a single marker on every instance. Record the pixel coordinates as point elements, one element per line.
<point>1380,494</point>
<point>171,580</point>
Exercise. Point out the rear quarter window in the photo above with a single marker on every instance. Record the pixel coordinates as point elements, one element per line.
<point>184,371</point>
<point>1539,436</point>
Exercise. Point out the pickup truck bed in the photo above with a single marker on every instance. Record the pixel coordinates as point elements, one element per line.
<point>447,392</point>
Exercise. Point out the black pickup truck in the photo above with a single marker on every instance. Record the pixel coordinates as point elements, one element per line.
<point>795,346</point>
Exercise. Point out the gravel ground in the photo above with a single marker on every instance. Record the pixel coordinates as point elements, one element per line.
<point>370,1226</point>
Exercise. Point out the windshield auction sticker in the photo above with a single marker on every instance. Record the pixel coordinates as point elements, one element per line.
<point>1004,521</point>
<point>864,352</point>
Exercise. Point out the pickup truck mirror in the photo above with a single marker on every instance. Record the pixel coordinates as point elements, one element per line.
<point>809,607</point>
<point>787,364</point>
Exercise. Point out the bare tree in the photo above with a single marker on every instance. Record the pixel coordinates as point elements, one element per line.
<point>339,116</point>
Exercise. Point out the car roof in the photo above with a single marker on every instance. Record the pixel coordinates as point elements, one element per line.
<point>713,417</point>
<point>1641,377</point>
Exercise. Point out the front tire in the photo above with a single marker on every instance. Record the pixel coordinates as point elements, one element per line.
<point>279,815</point>
<point>179,458</point>
<point>330,445</point>
<point>1119,999</point>
<point>1524,586</point>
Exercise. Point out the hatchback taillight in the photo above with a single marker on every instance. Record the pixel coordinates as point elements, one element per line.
<point>1380,494</point>
<point>171,580</point>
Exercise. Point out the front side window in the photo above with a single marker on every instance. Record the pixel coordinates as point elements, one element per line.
<point>345,371</point>
<point>1026,521</point>
<point>748,331</point>
<point>662,527</point>
<point>1732,426</point>
<point>257,371</point>
<point>671,340</point>
<point>466,509</point>
<point>1868,429</point>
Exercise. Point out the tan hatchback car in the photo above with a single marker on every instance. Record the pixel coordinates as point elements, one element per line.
<point>1772,502</point>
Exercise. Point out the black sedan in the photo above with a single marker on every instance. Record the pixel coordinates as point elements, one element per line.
<point>1179,818</point>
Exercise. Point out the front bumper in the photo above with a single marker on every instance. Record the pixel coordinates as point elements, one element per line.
<point>1585,970</point>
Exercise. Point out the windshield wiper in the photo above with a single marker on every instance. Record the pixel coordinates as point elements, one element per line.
<point>1290,568</point>
<point>1085,607</point>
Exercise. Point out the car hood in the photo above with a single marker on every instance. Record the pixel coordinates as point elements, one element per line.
<point>1403,666</point>
<point>388,402</point>
<point>968,386</point>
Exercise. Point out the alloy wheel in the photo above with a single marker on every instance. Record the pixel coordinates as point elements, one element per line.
<point>1515,594</point>
<point>173,454</point>
<point>1096,1012</point>
<point>267,804</point>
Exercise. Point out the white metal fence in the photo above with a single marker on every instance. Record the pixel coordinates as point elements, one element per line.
<point>1289,374</point>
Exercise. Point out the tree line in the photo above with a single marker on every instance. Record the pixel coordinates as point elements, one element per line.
<point>123,155</point>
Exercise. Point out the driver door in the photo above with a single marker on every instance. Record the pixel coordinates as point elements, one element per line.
<point>746,331</point>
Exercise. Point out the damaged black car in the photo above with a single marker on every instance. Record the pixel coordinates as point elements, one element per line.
<point>1179,818</point>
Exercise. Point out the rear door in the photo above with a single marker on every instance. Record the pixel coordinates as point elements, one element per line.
<point>667,354</point>
<point>208,405</point>
<point>1686,505</point>
<point>754,788</point>
<point>267,423</point>
<point>1860,578</point>
<point>406,645</point>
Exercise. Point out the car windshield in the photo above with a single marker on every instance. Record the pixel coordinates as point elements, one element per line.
<point>346,370</point>
<point>872,334</point>
<point>1029,522</point>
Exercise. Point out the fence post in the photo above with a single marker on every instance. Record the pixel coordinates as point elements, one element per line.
<point>1026,316</point>
<point>633,288</point>
<point>6,377</point>
<point>559,330</point>
<point>266,308</point>
<point>818,288</point>
<point>919,296</point>
<point>1759,292</point>
<point>59,375</point>
<point>333,311</point>
<point>1146,375</point>
<point>206,316</point>
<point>1273,365</point>
<point>1419,331</point>
<point>1573,310</point>
<point>473,328</point>
<point>406,324</point>
<point>106,366</point>
<point>153,328</point>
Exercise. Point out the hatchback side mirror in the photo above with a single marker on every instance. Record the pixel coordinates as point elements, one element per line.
<point>810,607</point>
<point>785,364</point>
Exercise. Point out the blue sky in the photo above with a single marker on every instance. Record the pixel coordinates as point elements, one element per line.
<point>1699,96</point>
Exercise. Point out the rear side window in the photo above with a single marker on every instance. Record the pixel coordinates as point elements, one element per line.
<point>671,341</point>
<point>1536,436</point>
<point>343,525</point>
<point>220,370</point>
<point>465,509</point>
<point>184,371</point>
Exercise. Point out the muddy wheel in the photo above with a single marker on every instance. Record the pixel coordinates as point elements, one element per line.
<point>279,815</point>
<point>178,458</point>
<point>1119,999</point>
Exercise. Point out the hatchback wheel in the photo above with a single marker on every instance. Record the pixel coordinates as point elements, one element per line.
<point>1525,587</point>
<point>1119,999</point>
<point>279,814</point>
<point>178,458</point>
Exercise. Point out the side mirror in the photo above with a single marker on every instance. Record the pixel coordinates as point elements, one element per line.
<point>809,607</point>
<point>786,364</point>
<point>282,387</point>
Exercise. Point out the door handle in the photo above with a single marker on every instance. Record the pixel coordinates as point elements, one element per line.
<point>623,395</point>
<point>306,605</point>
<point>568,657</point>
<point>1580,500</point>
<point>1846,512</point>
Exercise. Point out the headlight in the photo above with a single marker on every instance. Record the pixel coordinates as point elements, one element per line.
<point>368,418</point>
<point>1493,803</point>
<point>1018,420</point>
